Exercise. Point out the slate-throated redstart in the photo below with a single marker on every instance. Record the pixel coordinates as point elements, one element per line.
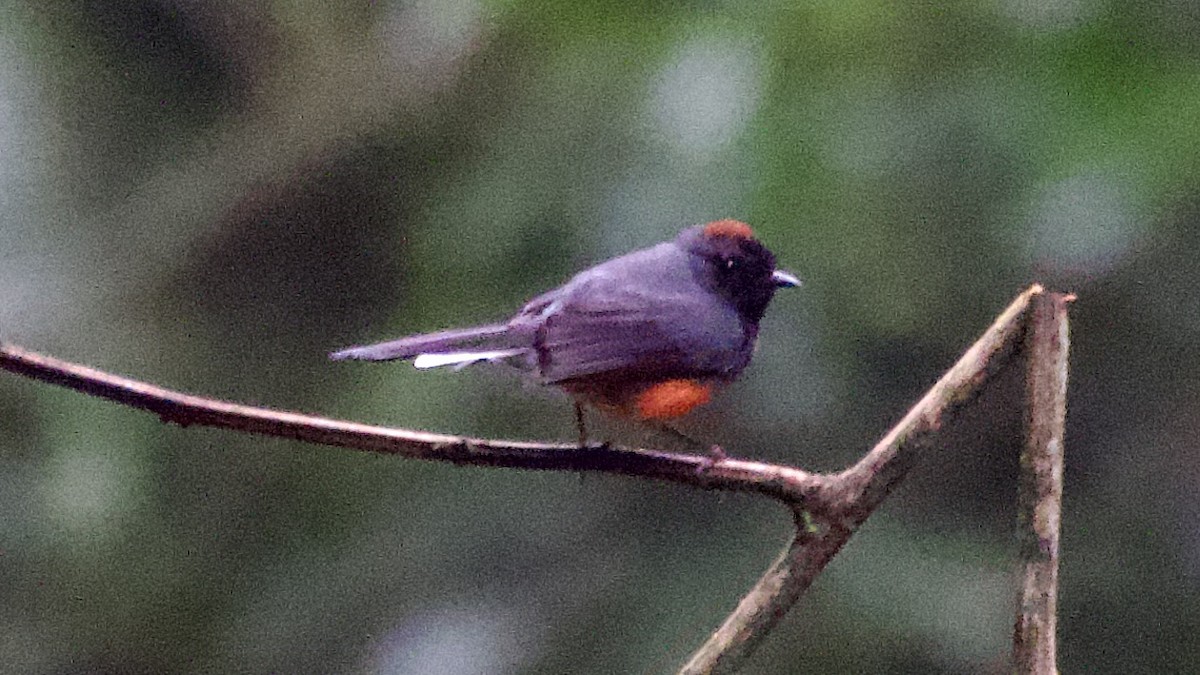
<point>646,335</point>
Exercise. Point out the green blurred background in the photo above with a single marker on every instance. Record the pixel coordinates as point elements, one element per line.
<point>212,195</point>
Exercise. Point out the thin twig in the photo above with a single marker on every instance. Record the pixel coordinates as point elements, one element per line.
<point>1039,501</point>
<point>785,483</point>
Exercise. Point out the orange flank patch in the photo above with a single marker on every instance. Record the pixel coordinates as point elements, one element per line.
<point>728,228</point>
<point>672,398</point>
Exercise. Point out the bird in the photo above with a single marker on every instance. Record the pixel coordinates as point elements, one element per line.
<point>648,335</point>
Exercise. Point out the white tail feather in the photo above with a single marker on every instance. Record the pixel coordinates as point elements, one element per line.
<point>461,359</point>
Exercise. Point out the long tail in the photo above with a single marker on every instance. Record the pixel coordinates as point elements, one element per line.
<point>458,347</point>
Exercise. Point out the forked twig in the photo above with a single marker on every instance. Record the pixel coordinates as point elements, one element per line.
<point>828,507</point>
<point>850,497</point>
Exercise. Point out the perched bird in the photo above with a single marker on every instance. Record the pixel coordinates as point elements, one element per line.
<point>646,335</point>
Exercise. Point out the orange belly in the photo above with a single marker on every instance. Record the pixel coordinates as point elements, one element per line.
<point>671,399</point>
<point>658,401</point>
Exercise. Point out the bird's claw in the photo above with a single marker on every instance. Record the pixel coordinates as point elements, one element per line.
<point>716,455</point>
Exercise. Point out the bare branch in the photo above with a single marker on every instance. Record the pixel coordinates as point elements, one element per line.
<point>828,508</point>
<point>1039,501</point>
<point>785,483</point>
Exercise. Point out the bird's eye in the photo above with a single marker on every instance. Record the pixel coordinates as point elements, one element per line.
<point>730,264</point>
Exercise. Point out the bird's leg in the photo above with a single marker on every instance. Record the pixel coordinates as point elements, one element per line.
<point>714,452</point>
<point>580,424</point>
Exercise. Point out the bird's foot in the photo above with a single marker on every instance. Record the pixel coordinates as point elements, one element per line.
<point>716,455</point>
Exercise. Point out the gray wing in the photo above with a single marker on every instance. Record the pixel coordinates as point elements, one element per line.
<point>606,331</point>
